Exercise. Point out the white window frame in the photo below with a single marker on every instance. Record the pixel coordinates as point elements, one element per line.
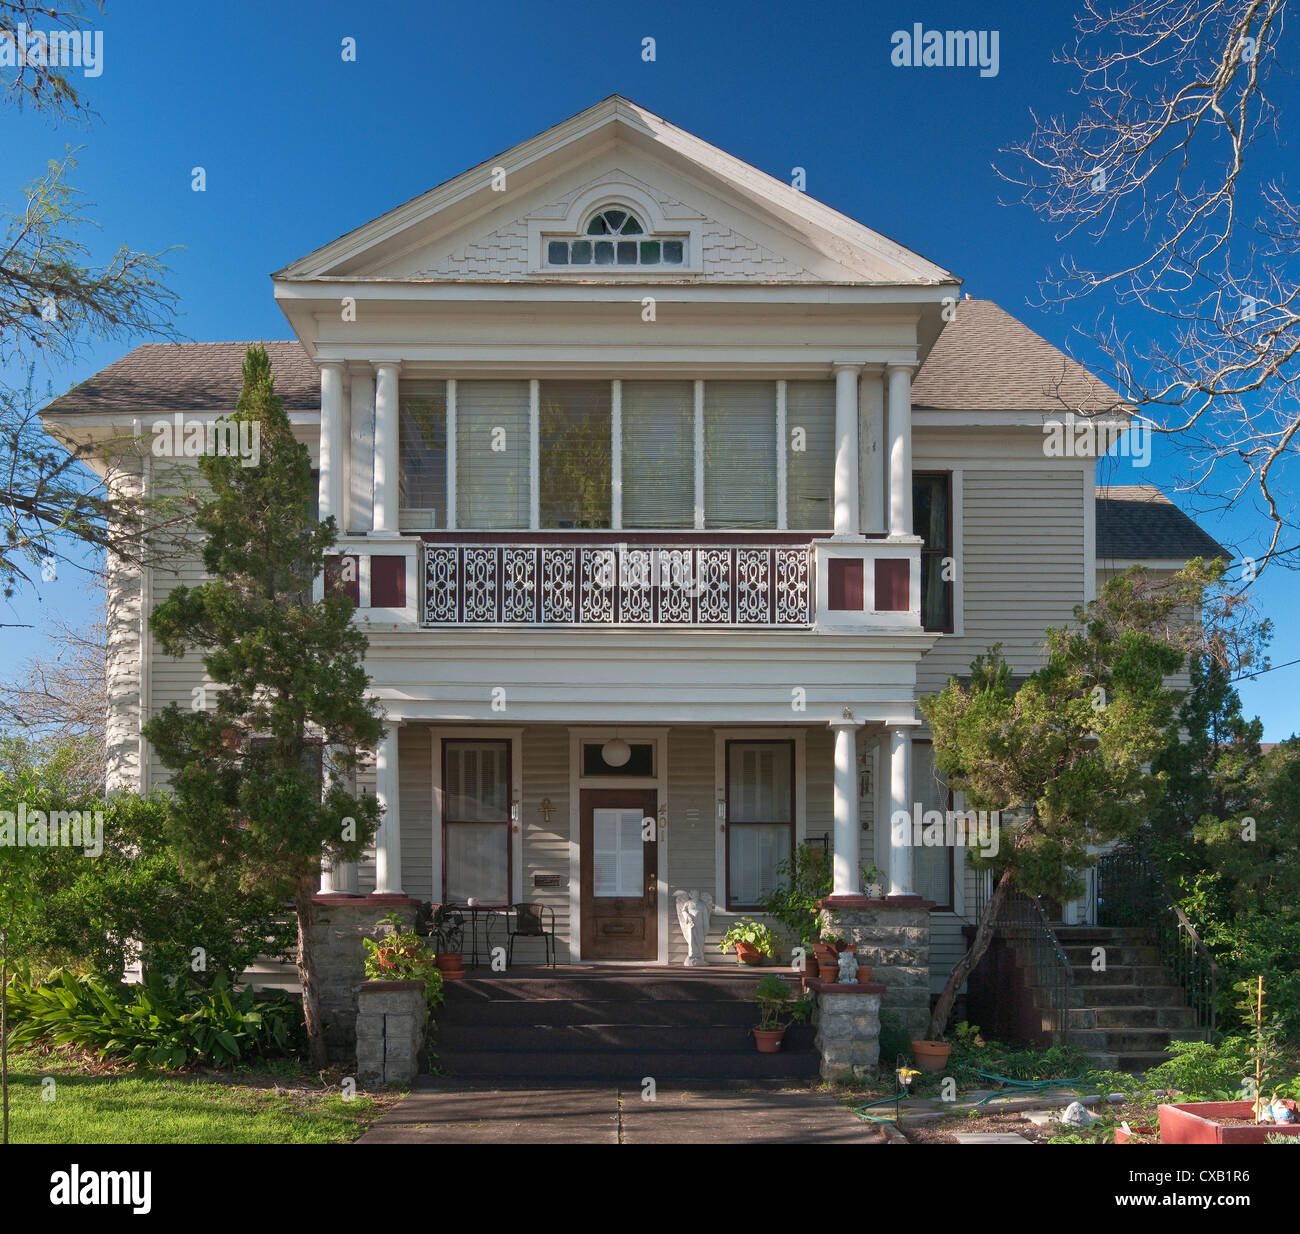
<point>720,738</point>
<point>617,479</point>
<point>515,737</point>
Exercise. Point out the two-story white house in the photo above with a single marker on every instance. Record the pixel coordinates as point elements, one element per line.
<point>665,491</point>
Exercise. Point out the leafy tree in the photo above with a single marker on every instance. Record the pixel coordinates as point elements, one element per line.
<point>1069,750</point>
<point>290,686</point>
<point>1225,836</point>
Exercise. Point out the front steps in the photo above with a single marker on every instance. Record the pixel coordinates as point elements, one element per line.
<point>683,1026</point>
<point>1123,1017</point>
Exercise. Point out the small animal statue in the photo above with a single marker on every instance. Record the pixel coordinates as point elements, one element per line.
<point>848,974</point>
<point>693,913</point>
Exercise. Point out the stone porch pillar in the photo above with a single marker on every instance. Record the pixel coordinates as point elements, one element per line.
<point>848,523</point>
<point>899,377</point>
<point>333,444</point>
<point>901,857</point>
<point>388,839</point>
<point>387,457</point>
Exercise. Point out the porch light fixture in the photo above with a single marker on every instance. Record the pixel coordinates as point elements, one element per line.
<point>615,752</point>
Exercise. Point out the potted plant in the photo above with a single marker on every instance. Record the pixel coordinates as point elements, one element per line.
<point>873,881</point>
<point>752,940</point>
<point>807,878</point>
<point>399,954</point>
<point>448,926</point>
<point>777,1010</point>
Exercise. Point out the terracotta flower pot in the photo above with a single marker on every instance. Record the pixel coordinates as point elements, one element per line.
<point>824,953</point>
<point>450,962</point>
<point>829,972</point>
<point>931,1055</point>
<point>768,1040</point>
<point>748,953</point>
<point>864,974</point>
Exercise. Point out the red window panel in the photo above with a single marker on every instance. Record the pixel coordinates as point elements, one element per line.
<point>893,577</point>
<point>844,583</point>
<point>387,580</point>
<point>343,577</point>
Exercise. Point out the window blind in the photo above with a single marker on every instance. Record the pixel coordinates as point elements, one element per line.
<point>422,444</point>
<point>740,454</point>
<point>574,454</point>
<point>810,455</point>
<point>492,452</point>
<point>658,454</point>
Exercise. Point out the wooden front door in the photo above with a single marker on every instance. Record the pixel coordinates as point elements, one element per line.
<point>620,866</point>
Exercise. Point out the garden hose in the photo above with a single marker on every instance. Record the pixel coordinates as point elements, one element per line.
<point>1032,1086</point>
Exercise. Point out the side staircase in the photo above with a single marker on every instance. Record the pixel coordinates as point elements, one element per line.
<point>1123,1017</point>
<point>610,1024</point>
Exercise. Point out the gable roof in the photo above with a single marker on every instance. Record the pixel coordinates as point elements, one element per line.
<point>868,256</point>
<point>1138,522</point>
<point>190,377</point>
<point>986,360</point>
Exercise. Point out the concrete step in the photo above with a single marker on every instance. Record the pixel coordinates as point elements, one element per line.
<point>1129,995</point>
<point>1132,1017</point>
<point>524,1013</point>
<point>1116,953</point>
<point>1130,1040</point>
<point>1132,935</point>
<point>630,1067</point>
<point>1132,1062</point>
<point>454,1040</point>
<point>732,987</point>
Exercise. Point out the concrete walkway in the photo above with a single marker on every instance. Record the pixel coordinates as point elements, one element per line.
<point>611,1115</point>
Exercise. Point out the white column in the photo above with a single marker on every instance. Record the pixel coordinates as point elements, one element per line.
<point>388,839</point>
<point>534,454</point>
<point>847,865</point>
<point>343,876</point>
<point>699,455</point>
<point>782,459</point>
<point>847,521</point>
<point>387,458</point>
<point>616,454</point>
<point>451,453</point>
<point>361,469</point>
<point>900,812</point>
<point>900,449</point>
<point>332,447</point>
<point>871,450</point>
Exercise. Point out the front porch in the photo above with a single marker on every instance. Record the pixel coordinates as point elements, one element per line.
<point>539,813</point>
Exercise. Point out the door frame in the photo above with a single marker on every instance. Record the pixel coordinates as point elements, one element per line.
<point>624,799</point>
<point>658,736</point>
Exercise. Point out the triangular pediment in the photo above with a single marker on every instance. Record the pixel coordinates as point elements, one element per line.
<point>718,218</point>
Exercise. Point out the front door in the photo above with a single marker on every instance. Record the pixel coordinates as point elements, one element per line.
<point>620,864</point>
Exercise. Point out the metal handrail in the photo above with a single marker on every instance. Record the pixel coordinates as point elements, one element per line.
<point>1022,920</point>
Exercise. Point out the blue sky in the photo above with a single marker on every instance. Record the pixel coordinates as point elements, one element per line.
<point>299,146</point>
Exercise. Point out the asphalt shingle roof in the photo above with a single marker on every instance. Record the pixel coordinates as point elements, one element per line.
<point>1138,521</point>
<point>191,377</point>
<point>986,360</point>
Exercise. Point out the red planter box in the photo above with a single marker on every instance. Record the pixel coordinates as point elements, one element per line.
<point>1194,1123</point>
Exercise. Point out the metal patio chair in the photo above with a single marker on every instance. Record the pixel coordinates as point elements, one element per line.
<point>527,921</point>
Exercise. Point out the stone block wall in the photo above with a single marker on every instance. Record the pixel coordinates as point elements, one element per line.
<point>848,1030</point>
<point>391,1021</point>
<point>341,923</point>
<point>893,936</point>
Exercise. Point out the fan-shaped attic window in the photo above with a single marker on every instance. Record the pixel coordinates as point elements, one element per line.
<point>615,237</point>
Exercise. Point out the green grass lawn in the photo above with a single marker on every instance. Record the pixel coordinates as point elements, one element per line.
<point>97,1106</point>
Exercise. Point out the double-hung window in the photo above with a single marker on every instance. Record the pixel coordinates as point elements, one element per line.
<point>932,517</point>
<point>760,818</point>
<point>476,821</point>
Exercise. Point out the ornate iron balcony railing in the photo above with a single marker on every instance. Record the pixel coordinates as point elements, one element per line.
<point>617,584</point>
